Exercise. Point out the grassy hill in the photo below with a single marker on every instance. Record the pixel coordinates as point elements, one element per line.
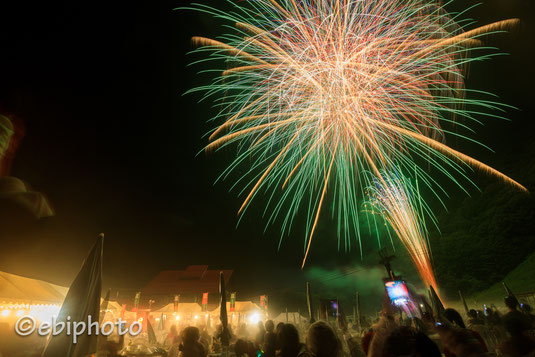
<point>520,280</point>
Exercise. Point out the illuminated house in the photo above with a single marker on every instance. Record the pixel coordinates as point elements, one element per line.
<point>190,284</point>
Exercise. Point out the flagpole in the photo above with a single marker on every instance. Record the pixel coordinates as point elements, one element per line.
<point>309,304</point>
<point>464,303</point>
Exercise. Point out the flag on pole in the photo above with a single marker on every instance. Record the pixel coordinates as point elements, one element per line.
<point>204,301</point>
<point>161,323</point>
<point>175,303</point>
<point>223,317</point>
<point>264,302</point>
<point>81,304</point>
<point>232,302</point>
<point>151,334</point>
<point>136,301</point>
<point>435,300</point>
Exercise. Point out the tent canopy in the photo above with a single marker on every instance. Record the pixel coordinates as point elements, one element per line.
<point>240,307</point>
<point>21,290</point>
<point>113,306</point>
<point>293,317</point>
<point>183,308</point>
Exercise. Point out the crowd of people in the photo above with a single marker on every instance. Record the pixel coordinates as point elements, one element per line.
<point>505,332</point>
<point>484,334</point>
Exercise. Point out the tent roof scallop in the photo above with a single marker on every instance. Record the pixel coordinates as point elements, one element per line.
<point>183,308</point>
<point>240,307</point>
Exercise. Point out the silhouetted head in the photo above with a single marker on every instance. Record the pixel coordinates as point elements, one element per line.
<point>472,314</point>
<point>270,326</point>
<point>241,347</point>
<point>454,317</point>
<point>322,341</point>
<point>289,341</point>
<point>190,334</point>
<point>517,324</point>
<point>511,302</point>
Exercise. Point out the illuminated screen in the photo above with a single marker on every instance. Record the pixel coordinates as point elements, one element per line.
<point>397,291</point>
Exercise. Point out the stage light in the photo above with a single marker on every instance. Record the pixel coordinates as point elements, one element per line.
<point>254,318</point>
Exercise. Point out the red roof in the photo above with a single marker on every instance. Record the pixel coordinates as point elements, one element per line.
<point>195,279</point>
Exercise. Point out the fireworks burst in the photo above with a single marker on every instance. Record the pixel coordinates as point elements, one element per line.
<point>323,96</point>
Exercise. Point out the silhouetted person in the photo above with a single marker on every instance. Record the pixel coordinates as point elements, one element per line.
<point>289,341</point>
<point>455,318</point>
<point>512,304</point>
<point>526,309</point>
<point>321,340</point>
<point>241,348</point>
<point>519,343</point>
<point>278,330</point>
<point>473,318</point>
<point>458,341</point>
<point>514,313</point>
<point>191,347</point>
<point>406,341</point>
<point>259,339</point>
<point>171,336</point>
<point>270,339</point>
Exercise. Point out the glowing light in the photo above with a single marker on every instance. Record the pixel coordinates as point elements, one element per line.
<point>20,312</point>
<point>44,312</point>
<point>5,313</point>
<point>326,95</point>
<point>254,318</point>
<point>196,317</point>
<point>177,317</point>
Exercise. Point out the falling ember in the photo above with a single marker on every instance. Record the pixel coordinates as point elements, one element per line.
<point>323,96</point>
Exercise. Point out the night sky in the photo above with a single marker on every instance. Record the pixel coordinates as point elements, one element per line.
<point>113,143</point>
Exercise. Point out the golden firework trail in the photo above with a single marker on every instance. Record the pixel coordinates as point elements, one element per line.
<point>399,203</point>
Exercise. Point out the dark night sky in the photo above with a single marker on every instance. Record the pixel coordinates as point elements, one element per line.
<point>112,142</point>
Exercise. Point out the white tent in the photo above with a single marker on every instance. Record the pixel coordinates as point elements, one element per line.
<point>113,310</point>
<point>183,308</point>
<point>242,307</point>
<point>293,318</point>
<point>15,289</point>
